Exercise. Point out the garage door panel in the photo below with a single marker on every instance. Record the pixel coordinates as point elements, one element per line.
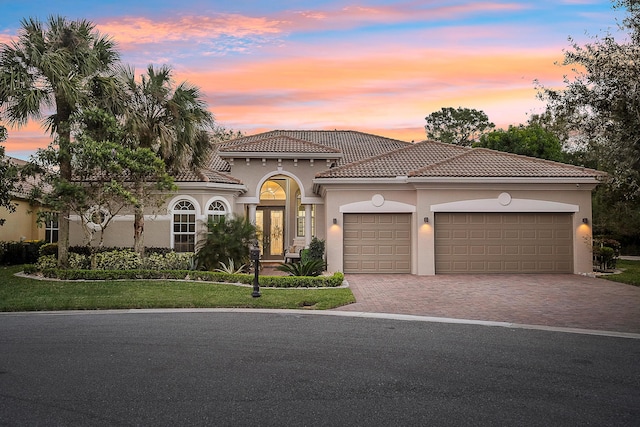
<point>494,234</point>
<point>352,250</point>
<point>512,250</point>
<point>530,243</point>
<point>511,234</point>
<point>383,242</point>
<point>368,235</point>
<point>351,235</point>
<point>368,250</point>
<point>403,235</point>
<point>385,234</point>
<point>385,250</point>
<point>477,250</point>
<point>493,250</point>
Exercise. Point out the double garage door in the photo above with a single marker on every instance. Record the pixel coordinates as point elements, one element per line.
<point>503,243</point>
<point>464,243</point>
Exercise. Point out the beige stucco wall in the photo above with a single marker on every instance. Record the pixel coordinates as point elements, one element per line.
<point>21,224</point>
<point>417,199</point>
<point>423,196</point>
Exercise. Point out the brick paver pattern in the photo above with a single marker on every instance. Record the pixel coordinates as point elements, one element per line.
<point>563,300</point>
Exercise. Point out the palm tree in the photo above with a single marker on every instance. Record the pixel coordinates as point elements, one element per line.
<point>173,122</point>
<point>53,66</point>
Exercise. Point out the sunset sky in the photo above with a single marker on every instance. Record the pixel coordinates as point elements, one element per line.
<point>370,65</point>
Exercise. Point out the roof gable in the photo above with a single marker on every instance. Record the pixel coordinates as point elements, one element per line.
<point>399,162</point>
<point>483,163</point>
<point>282,144</point>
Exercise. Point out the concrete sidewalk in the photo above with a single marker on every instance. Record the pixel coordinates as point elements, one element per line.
<point>565,300</point>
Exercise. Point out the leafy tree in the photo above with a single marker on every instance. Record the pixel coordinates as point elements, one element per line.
<point>601,105</point>
<point>531,140</point>
<point>8,178</point>
<point>172,121</point>
<point>461,126</point>
<point>227,239</point>
<point>57,64</point>
<point>106,179</point>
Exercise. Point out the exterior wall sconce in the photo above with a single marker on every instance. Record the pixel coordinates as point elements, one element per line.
<point>335,221</point>
<point>585,220</point>
<point>426,220</point>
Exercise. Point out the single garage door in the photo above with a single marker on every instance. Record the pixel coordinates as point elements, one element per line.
<point>377,243</point>
<point>504,243</point>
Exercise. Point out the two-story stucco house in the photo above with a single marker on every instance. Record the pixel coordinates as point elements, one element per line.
<point>384,205</point>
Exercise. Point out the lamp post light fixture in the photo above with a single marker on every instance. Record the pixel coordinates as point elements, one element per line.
<point>255,257</point>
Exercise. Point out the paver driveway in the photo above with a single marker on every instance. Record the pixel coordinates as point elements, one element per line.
<point>535,299</point>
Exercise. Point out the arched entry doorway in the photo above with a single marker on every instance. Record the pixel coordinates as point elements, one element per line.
<point>271,218</point>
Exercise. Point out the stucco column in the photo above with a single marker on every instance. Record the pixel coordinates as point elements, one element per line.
<point>252,213</point>
<point>307,225</point>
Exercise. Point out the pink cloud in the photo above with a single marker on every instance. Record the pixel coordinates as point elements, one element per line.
<point>352,16</point>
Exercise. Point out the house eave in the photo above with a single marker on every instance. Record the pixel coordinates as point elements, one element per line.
<point>505,180</point>
<point>385,180</point>
<point>209,185</point>
<point>272,155</point>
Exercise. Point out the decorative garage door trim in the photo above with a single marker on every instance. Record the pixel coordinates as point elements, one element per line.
<point>377,243</point>
<point>504,203</point>
<point>503,242</point>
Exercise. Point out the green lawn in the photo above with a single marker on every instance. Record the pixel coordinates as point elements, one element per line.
<point>629,275</point>
<point>25,294</point>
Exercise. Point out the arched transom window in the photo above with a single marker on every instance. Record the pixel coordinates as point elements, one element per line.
<point>216,210</point>
<point>273,190</point>
<point>184,226</point>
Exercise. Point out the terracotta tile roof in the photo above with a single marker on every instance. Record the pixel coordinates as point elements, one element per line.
<point>482,162</point>
<point>206,175</point>
<point>24,187</point>
<point>278,144</point>
<point>371,156</point>
<point>399,162</point>
<point>353,145</point>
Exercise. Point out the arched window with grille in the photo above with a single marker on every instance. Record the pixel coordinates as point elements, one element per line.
<point>216,210</point>
<point>184,226</point>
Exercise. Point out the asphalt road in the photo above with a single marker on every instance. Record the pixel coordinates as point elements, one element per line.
<point>222,368</point>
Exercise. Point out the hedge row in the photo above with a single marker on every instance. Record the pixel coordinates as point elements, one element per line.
<point>208,276</point>
<point>27,252</point>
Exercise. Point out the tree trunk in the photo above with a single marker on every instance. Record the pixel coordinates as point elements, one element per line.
<point>63,238</point>
<point>64,155</point>
<point>138,231</point>
<point>138,223</point>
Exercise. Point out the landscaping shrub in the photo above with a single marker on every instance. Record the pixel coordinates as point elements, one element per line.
<point>26,252</point>
<point>167,261</point>
<point>306,267</point>
<point>49,249</point>
<point>124,259</point>
<point>316,249</point>
<point>208,276</point>
<point>605,253</point>
<point>226,238</point>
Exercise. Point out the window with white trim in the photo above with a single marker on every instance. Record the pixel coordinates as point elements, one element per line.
<point>184,226</point>
<point>51,227</point>
<point>300,215</point>
<point>216,210</point>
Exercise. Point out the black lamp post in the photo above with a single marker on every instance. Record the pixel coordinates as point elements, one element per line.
<point>255,257</point>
